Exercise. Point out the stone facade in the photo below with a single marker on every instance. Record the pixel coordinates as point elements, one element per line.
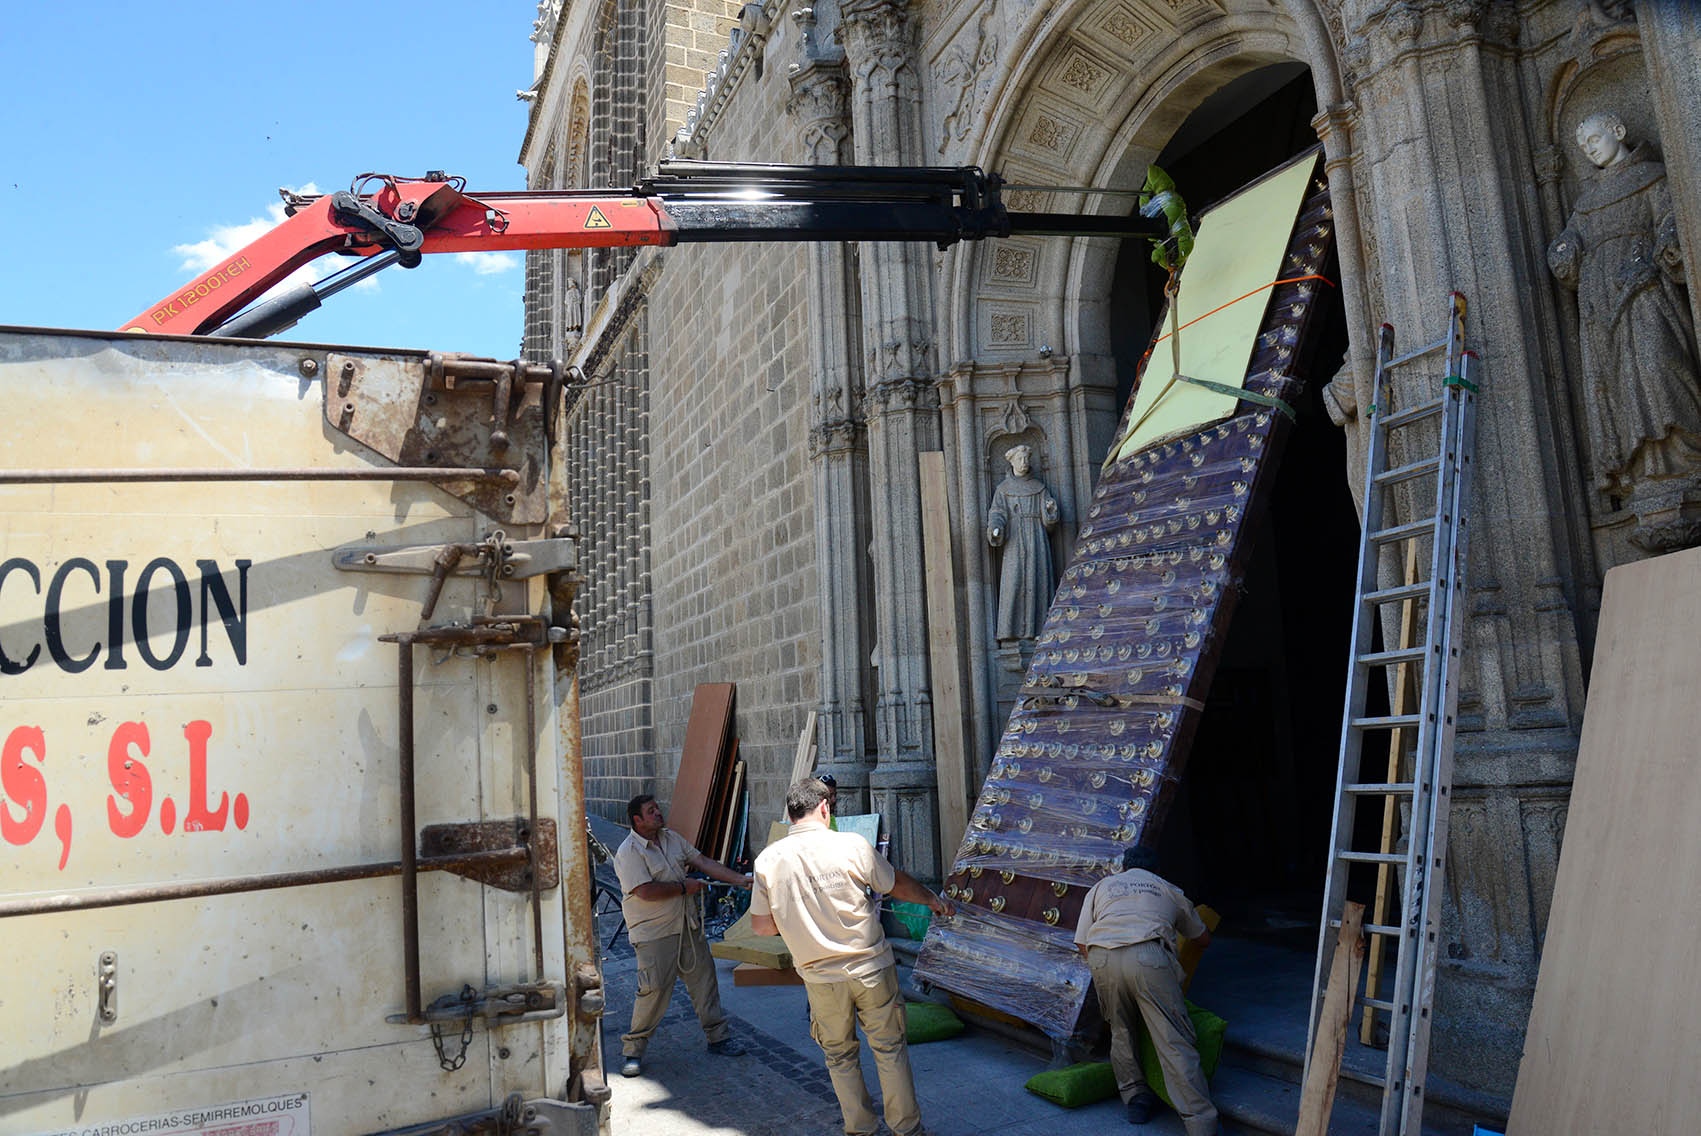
<point>759,476</point>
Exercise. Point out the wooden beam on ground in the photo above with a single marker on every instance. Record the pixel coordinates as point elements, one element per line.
<point>943,664</point>
<point>1323,1071</point>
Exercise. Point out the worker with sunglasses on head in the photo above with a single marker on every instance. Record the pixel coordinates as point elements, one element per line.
<point>813,889</point>
<point>665,926</point>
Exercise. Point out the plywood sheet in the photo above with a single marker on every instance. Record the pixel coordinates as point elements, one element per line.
<point>706,734</point>
<point>1616,1023</point>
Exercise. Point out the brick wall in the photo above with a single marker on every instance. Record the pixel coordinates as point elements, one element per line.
<point>734,555</point>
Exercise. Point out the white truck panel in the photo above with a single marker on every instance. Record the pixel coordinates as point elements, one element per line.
<point>238,719</point>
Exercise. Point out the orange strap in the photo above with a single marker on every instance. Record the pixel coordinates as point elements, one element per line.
<point>1236,300</point>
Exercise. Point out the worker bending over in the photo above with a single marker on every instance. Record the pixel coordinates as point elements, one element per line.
<point>1127,935</point>
<point>812,889</point>
<point>666,928</point>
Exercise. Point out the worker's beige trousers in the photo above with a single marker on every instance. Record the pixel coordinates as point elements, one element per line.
<point>660,961</point>
<point>835,1008</point>
<point>1141,984</point>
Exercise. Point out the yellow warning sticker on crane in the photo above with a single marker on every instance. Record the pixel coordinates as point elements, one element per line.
<point>596,220</point>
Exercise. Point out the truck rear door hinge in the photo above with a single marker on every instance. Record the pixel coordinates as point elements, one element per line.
<point>497,1006</point>
<point>495,558</point>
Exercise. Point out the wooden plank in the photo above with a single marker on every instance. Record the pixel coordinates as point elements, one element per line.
<point>723,847</point>
<point>699,759</point>
<point>1615,1025</point>
<point>754,974</point>
<point>1403,702</point>
<point>944,666</point>
<point>803,763</point>
<point>1323,1072</point>
<point>720,803</point>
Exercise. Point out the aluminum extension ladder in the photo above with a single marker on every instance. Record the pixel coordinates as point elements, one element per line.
<point>1432,656</point>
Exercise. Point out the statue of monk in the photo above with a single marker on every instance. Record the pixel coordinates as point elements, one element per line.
<point>1641,393</point>
<point>1020,521</point>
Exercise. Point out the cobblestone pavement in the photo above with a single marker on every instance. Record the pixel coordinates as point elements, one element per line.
<point>969,1085</point>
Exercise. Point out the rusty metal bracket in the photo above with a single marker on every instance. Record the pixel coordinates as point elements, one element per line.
<point>495,558</point>
<point>496,1006</point>
<point>450,410</point>
<point>520,558</point>
<point>481,836</point>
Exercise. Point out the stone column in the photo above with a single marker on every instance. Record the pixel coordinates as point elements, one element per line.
<point>903,420</point>
<point>1671,42</point>
<point>1445,154</point>
<point>838,438</point>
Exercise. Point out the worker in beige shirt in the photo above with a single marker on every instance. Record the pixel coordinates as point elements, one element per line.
<point>812,889</point>
<point>665,925</point>
<point>1127,934</point>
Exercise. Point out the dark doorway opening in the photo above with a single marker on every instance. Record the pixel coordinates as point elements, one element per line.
<point>1249,831</point>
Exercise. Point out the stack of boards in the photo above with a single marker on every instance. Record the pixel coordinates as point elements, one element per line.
<point>710,807</point>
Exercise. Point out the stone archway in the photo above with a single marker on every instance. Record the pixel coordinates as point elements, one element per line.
<point>1088,94</point>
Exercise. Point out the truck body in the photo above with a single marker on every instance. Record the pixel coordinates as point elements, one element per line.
<point>200,699</point>
<point>292,832</point>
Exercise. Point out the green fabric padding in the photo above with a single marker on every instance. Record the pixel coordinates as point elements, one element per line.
<point>1208,1032</point>
<point>929,1021</point>
<point>1075,1085</point>
<point>914,917</point>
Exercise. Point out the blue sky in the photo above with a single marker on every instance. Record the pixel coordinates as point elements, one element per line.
<point>140,138</point>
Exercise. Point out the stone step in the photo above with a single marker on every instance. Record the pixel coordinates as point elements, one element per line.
<point>1448,1108</point>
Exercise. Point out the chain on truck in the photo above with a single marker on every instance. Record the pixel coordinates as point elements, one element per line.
<point>291,792</point>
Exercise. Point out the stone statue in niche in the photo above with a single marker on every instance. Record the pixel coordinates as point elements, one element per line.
<point>1641,394</point>
<point>1020,521</point>
<point>573,310</point>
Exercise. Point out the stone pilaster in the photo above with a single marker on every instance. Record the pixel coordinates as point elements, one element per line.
<point>1445,157</point>
<point>838,438</point>
<point>903,420</point>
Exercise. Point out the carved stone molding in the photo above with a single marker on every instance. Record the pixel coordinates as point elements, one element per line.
<point>837,437</point>
<point>964,73</point>
<point>880,43</point>
<point>820,102</point>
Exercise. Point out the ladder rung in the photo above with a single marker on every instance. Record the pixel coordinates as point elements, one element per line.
<point>1402,655</point>
<point>1407,472</point>
<point>1388,721</point>
<point>1403,592</point>
<point>1401,532</point>
<point>1377,1003</point>
<point>1381,788</point>
<point>1387,931</point>
<point>1383,929</point>
<point>1371,857</point>
<point>1415,353</point>
<point>1414,413</point>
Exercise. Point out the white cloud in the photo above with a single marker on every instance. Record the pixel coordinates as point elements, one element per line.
<point>488,263</point>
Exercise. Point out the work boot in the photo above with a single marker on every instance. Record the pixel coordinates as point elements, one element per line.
<point>727,1047</point>
<point>633,1066</point>
<point>1140,1106</point>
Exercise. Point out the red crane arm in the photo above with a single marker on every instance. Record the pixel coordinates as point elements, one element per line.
<point>487,223</point>
<point>684,202</point>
